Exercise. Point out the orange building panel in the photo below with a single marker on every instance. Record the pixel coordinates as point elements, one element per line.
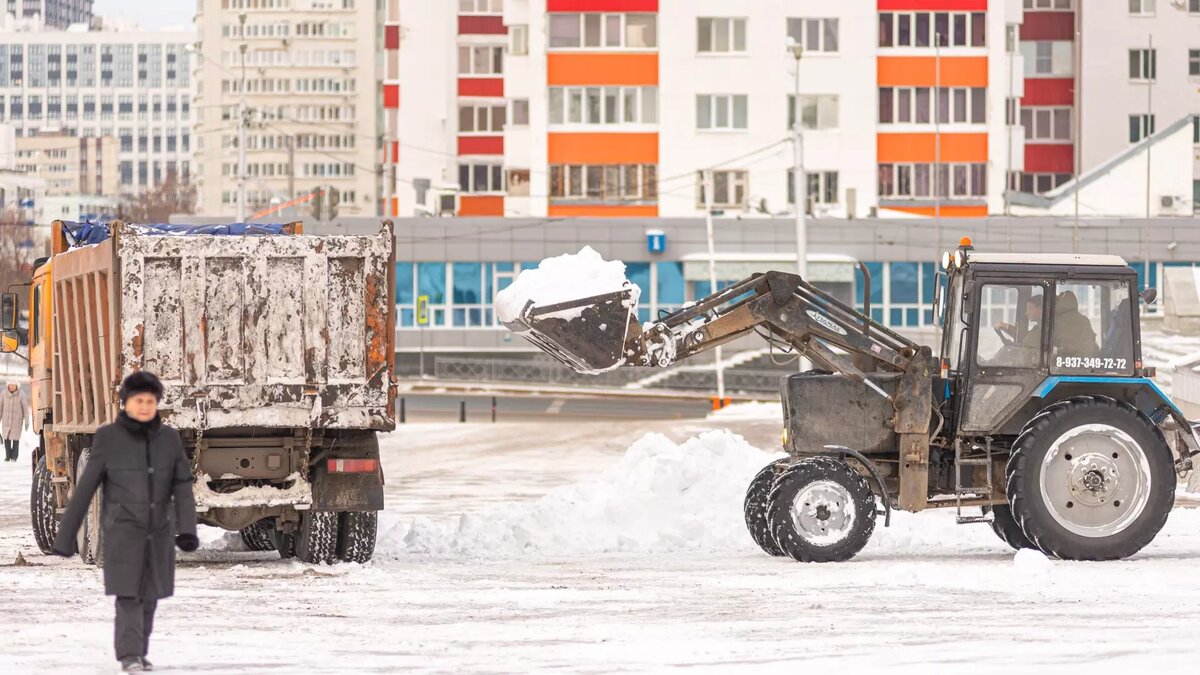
<point>602,210</point>
<point>947,210</point>
<point>922,71</point>
<point>603,148</point>
<point>601,69</point>
<point>892,148</point>
<point>481,205</point>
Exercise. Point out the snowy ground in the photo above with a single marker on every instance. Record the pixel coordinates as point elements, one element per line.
<point>578,556</point>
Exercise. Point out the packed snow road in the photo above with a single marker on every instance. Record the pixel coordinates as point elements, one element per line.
<point>533,547</point>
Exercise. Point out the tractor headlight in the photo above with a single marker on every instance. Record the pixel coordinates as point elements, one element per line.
<point>945,260</point>
<point>958,258</point>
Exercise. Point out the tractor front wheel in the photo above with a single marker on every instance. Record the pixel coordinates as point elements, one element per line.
<point>821,510</point>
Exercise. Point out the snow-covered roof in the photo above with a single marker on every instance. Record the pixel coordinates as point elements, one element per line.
<point>1047,259</point>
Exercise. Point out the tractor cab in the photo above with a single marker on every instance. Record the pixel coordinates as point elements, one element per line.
<point>1019,329</point>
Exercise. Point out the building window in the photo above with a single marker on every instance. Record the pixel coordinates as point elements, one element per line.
<point>817,111</point>
<point>518,44</point>
<point>1047,124</point>
<point>1037,182</point>
<point>731,189</point>
<point>1196,128</point>
<point>481,60</point>
<point>480,178</point>
<point>603,31</point>
<point>480,119</point>
<point>479,7</point>
<point>520,112</point>
<point>722,111</point>
<point>603,105</point>
<point>923,29</point>
<point>1143,65</point>
<point>720,35</point>
<point>912,105</point>
<point>1049,5</point>
<point>916,181</point>
<point>1141,7</point>
<point>604,182</point>
<point>518,182</point>
<point>1194,61</point>
<point>814,35</point>
<point>821,187</point>
<point>1140,126</point>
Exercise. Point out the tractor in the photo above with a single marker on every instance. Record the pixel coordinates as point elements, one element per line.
<point>1036,416</point>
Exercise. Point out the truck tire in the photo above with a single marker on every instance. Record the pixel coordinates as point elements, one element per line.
<point>1091,479</point>
<point>357,531</point>
<point>89,539</point>
<point>285,543</point>
<point>42,508</point>
<point>755,507</point>
<point>257,537</point>
<point>821,510</point>
<point>1007,528</point>
<point>316,542</point>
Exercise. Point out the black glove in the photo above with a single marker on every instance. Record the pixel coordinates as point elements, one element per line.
<point>187,542</point>
<point>64,547</point>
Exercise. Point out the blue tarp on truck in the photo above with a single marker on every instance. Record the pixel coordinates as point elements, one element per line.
<point>85,234</point>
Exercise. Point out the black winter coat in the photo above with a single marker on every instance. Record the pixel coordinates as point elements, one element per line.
<point>141,469</point>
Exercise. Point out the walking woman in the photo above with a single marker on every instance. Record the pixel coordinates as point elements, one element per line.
<point>13,413</point>
<point>148,509</point>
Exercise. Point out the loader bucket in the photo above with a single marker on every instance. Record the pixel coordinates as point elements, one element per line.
<point>588,335</point>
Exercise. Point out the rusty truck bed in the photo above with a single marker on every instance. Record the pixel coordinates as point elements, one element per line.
<point>256,331</point>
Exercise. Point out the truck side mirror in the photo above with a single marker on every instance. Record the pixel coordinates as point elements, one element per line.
<point>8,311</point>
<point>1149,295</point>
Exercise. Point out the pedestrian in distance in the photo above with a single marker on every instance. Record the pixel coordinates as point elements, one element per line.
<point>14,411</point>
<point>148,509</point>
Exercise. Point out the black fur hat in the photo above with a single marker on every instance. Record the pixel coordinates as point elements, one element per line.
<point>141,382</point>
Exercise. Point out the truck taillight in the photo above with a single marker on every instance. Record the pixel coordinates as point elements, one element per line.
<point>352,465</point>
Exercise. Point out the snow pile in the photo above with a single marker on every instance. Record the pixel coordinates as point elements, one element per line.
<point>753,411</point>
<point>661,496</point>
<point>561,279</point>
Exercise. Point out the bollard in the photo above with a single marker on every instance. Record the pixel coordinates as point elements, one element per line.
<point>462,411</point>
<point>493,410</point>
<point>403,412</point>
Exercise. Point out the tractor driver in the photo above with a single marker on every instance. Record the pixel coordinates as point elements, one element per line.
<point>1032,339</point>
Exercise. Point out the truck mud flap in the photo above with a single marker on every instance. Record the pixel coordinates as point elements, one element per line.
<point>346,491</point>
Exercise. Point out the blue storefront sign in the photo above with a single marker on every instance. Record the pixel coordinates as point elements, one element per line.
<point>656,241</point>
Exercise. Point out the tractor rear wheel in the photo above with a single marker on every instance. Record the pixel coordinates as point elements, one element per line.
<point>1007,528</point>
<point>821,510</point>
<point>1091,479</point>
<point>755,507</point>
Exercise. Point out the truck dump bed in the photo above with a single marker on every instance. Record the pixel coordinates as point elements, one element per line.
<point>244,331</point>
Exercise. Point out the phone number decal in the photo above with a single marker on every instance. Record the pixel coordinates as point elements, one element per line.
<point>1090,362</point>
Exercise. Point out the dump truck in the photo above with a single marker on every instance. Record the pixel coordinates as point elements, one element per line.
<point>1037,415</point>
<point>275,350</point>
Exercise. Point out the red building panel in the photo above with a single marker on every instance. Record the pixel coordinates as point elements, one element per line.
<point>1048,26</point>
<point>391,96</point>
<point>481,205</point>
<point>481,86</point>
<point>391,37</point>
<point>481,25</point>
<point>601,5</point>
<point>481,145</point>
<point>1041,158</point>
<point>1049,91</point>
<point>934,5</point>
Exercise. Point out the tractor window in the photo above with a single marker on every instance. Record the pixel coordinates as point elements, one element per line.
<point>1010,326</point>
<point>1092,328</point>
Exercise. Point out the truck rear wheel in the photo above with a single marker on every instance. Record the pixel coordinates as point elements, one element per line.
<point>257,537</point>
<point>1091,479</point>
<point>821,510</point>
<point>755,507</point>
<point>89,541</point>
<point>357,531</point>
<point>42,508</point>
<point>317,540</point>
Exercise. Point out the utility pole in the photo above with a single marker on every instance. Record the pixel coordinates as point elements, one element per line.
<point>712,274</point>
<point>290,139</point>
<point>938,184</point>
<point>242,112</point>
<point>799,180</point>
<point>1151,69</point>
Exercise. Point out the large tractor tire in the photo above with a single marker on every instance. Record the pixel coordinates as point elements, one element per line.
<point>1007,528</point>
<point>821,510</point>
<point>317,540</point>
<point>1091,479</point>
<point>257,536</point>
<point>755,507</point>
<point>90,537</point>
<point>42,509</point>
<point>357,531</point>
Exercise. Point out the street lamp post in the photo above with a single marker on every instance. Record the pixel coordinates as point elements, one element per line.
<point>241,182</point>
<point>799,183</point>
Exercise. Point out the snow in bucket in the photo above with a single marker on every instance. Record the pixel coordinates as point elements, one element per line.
<point>561,279</point>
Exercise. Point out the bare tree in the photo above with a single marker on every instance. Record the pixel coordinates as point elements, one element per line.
<point>171,197</point>
<point>20,244</point>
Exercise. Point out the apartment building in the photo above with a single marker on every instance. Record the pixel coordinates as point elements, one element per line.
<point>70,165</point>
<point>55,14</point>
<point>566,108</point>
<point>307,75</point>
<point>134,86</point>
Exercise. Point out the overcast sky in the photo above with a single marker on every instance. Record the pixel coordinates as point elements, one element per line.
<point>149,14</point>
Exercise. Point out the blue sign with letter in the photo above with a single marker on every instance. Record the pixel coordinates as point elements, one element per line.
<point>656,241</point>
